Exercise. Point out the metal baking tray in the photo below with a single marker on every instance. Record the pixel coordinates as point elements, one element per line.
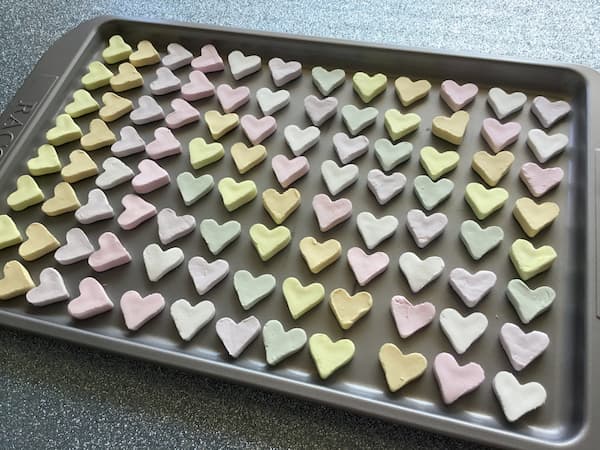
<point>569,368</point>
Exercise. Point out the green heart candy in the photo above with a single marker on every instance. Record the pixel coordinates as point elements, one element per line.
<point>9,233</point>
<point>485,201</point>
<point>327,80</point>
<point>45,162</point>
<point>203,154</point>
<point>98,76</point>
<point>83,103</point>
<point>280,344</point>
<point>217,236</point>
<point>479,241</point>
<point>437,163</point>
<point>432,193</point>
<point>527,302</point>
<point>390,155</point>
<point>192,188</point>
<point>357,119</point>
<point>530,261</point>
<point>251,289</point>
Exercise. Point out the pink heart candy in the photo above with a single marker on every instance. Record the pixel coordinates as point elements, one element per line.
<point>150,178</point>
<point>209,60</point>
<point>284,72</point>
<point>165,82</point>
<point>522,348</point>
<point>137,210</point>
<point>183,114</point>
<point>287,171</point>
<point>231,99</point>
<point>347,148</point>
<point>498,135</point>
<point>110,253</point>
<point>129,144</point>
<point>164,144</point>
<point>138,310</point>
<point>148,110</point>
<point>198,87</point>
<point>410,318</point>
<point>92,300</point>
<point>257,130</point>
<point>331,212</point>
<point>320,110</point>
<point>547,112</point>
<point>454,380</point>
<point>457,96</point>
<point>366,267</point>
<point>177,56</point>
<point>237,336</point>
<point>539,180</point>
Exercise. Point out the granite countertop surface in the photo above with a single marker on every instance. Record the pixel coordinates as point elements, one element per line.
<point>58,395</point>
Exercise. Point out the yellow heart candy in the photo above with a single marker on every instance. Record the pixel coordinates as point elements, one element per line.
<point>329,356</point>
<point>399,125</point>
<point>437,163</point>
<point>451,129</point>
<point>39,242</point>
<point>127,78</point>
<point>369,87</point>
<point>98,76</point>
<point>66,130</point>
<point>16,281</point>
<point>220,124</point>
<point>9,233</point>
<point>114,107</point>
<point>410,91</point>
<point>45,162</point>
<point>203,154</point>
<point>280,206</point>
<point>117,50</point>
<point>80,167</point>
<point>245,158</point>
<point>269,242</point>
<point>301,299</point>
<point>145,55</point>
<point>236,194</point>
<point>28,193</point>
<point>400,369</point>
<point>484,201</point>
<point>348,309</point>
<point>83,103</point>
<point>530,261</point>
<point>534,217</point>
<point>319,255</point>
<point>65,200</point>
<point>99,136</point>
<point>492,168</point>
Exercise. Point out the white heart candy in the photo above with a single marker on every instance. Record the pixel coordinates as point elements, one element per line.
<point>375,230</point>
<point>517,399</point>
<point>424,228</point>
<point>546,146</point>
<point>177,56</point>
<point>129,144</point>
<point>347,148</point>
<point>51,289</point>
<point>115,173</point>
<point>97,208</point>
<point>237,336</point>
<point>471,288</point>
<point>338,178</point>
<point>462,331</point>
<point>385,187</point>
<point>420,272</point>
<point>520,347</point>
<point>160,262</point>
<point>270,102</point>
<point>165,82</point>
<point>190,319</point>
<point>77,248</point>
<point>505,104</point>
<point>300,140</point>
<point>171,226</point>
<point>242,65</point>
<point>547,112</point>
<point>206,275</point>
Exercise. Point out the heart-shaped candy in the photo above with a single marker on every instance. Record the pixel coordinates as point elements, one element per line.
<point>319,255</point>
<point>66,130</point>
<point>454,380</point>
<point>218,236</point>
<point>420,272</point>
<point>145,55</point>
<point>534,217</point>
<point>202,153</point>
<point>148,111</point>
<point>190,319</point>
<point>329,212</point>
<point>517,399</point>
<point>27,194</point>
<point>400,369</point>
<point>97,76</point>
<point>45,162</point>
<point>437,163</point>
<point>338,178</point>
<point>117,50</point>
<point>114,107</point>
<point>16,280</point>
<point>110,253</point>
<point>198,87</point>
<point>375,230</point>
<point>348,309</point>
<point>480,241</point>
<point>269,242</point>
<point>83,103</point>
<point>505,104</point>
<point>329,356</point>
<point>547,112</point>
<point>399,125</point>
<point>270,102</point>
<point>192,189</point>
<point>280,344</point>
<point>300,140</point>
<point>160,262</point>
<point>522,348</point>
<point>410,318</point>
<point>136,211</point>
<point>283,72</point>
<point>151,177</point>
<point>97,208</point>
<point>492,168</point>
<point>51,289</point>
<point>281,205</point>
<point>236,194</point>
<point>472,287</point>
<point>368,87</point>
<point>99,136</point>
<point>39,242</point>
<point>236,337</point>
<point>77,248</point>
<point>138,310</point>
<point>457,96</point>
<point>390,155</point>
<point>129,144</point>
<point>357,119</point>
<point>92,300</point>
<point>301,299</point>
<point>424,228</point>
<point>183,114</point>
<point>9,233</point>
<point>245,158</point>
<point>251,289</point>
<point>126,78</point>
<point>527,302</point>
<point>545,146</point>
<point>164,144</point>
<point>257,130</point>
<point>165,82</point>
<point>172,227</point>
<point>288,171</point>
<point>241,65</point>
<point>409,91</point>
<point>366,266</point>
<point>209,60</point>
<point>177,56</point>
<point>530,261</point>
<point>327,80</point>
<point>231,99</point>
<point>485,201</point>
<point>539,180</point>
<point>462,331</point>
<point>499,135</point>
<point>319,110</point>
<point>116,172</point>
<point>220,124</point>
<point>347,148</point>
<point>432,193</point>
<point>207,275</point>
<point>451,129</point>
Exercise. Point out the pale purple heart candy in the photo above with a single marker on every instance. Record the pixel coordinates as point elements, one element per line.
<point>331,212</point>
<point>177,56</point>
<point>237,336</point>
<point>77,248</point>
<point>410,318</point>
<point>232,98</point>
<point>206,275</point>
<point>457,96</point>
<point>137,210</point>
<point>51,289</point>
<point>138,310</point>
<point>287,171</point>
<point>499,135</point>
<point>198,87</point>
<point>424,228</point>
<point>150,178</point>
<point>366,267</point>
<point>284,72</point>
<point>209,60</point>
<point>547,112</point>
<point>183,114</point>
<point>347,148</point>
<point>454,380</point>
<point>164,144</point>
<point>539,180</point>
<point>165,82</point>
<point>115,173</point>
<point>257,130</point>
<point>148,110</point>
<point>171,226</point>
<point>92,300</point>
<point>129,144</point>
<point>111,253</point>
<point>97,208</point>
<point>520,347</point>
<point>471,288</point>
<point>385,187</point>
<point>320,110</point>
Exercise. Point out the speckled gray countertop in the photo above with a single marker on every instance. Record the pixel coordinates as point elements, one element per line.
<point>56,395</point>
